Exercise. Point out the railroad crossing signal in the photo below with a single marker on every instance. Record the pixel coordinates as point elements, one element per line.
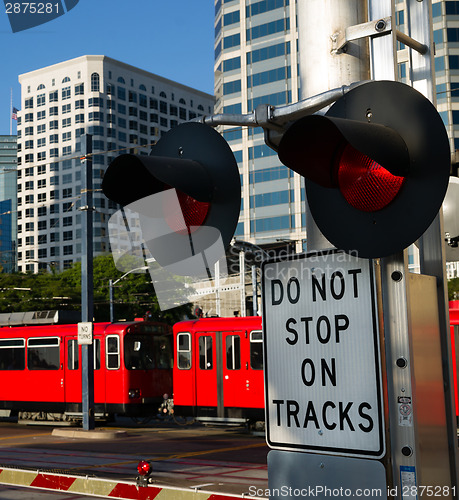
<point>196,162</point>
<point>376,167</point>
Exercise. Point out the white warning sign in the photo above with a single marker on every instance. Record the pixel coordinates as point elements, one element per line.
<point>322,362</point>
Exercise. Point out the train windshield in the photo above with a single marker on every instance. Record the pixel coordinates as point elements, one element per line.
<point>147,352</point>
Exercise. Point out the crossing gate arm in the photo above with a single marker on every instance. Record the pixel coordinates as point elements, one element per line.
<point>107,488</point>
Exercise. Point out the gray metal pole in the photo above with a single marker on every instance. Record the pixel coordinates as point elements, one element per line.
<point>254,291</point>
<point>321,70</point>
<point>112,301</point>
<point>87,292</point>
<point>242,282</point>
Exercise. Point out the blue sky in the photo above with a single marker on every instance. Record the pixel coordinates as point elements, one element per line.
<point>172,38</point>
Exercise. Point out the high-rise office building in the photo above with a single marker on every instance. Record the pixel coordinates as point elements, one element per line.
<point>8,193</point>
<point>122,107</point>
<point>256,62</point>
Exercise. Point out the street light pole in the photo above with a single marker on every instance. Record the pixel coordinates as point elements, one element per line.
<point>111,285</point>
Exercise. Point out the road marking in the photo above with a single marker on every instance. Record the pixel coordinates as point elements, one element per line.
<point>208,452</point>
<point>168,457</point>
<point>25,436</point>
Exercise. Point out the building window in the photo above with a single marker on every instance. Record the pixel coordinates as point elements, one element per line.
<point>79,89</point>
<point>66,92</point>
<point>53,96</point>
<point>121,93</point>
<point>95,82</point>
<point>96,116</point>
<point>41,100</point>
<point>54,111</point>
<point>66,122</point>
<point>66,108</point>
<point>28,104</point>
<point>95,102</point>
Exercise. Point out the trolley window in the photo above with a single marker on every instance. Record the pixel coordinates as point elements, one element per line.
<point>164,352</point>
<point>96,354</point>
<point>205,352</point>
<point>184,351</point>
<point>112,352</point>
<point>43,353</point>
<point>139,352</point>
<point>256,350</point>
<point>12,354</point>
<point>233,352</point>
<point>73,354</point>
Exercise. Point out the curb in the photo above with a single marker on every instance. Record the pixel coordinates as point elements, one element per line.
<point>99,434</point>
<point>126,490</point>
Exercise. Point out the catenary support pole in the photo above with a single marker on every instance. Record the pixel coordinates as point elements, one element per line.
<point>87,292</point>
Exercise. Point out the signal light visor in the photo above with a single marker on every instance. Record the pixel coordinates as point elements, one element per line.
<point>364,183</point>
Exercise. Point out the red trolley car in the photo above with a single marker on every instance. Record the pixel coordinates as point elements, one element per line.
<point>454,330</point>
<point>218,369</point>
<point>41,372</point>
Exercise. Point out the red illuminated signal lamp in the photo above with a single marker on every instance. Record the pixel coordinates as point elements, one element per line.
<point>376,167</point>
<point>144,468</point>
<point>364,183</point>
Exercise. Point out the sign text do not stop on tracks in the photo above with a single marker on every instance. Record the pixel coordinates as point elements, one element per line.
<point>322,373</point>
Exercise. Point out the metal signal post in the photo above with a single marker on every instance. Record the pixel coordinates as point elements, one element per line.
<point>342,43</point>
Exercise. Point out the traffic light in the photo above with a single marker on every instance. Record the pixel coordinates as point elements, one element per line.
<point>376,167</point>
<point>195,164</point>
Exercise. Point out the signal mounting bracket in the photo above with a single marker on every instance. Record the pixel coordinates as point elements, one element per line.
<point>372,29</point>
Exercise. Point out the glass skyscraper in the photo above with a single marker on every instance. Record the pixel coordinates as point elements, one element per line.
<point>8,195</point>
<point>256,62</point>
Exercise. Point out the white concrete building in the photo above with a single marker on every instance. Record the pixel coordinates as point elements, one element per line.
<point>122,107</point>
